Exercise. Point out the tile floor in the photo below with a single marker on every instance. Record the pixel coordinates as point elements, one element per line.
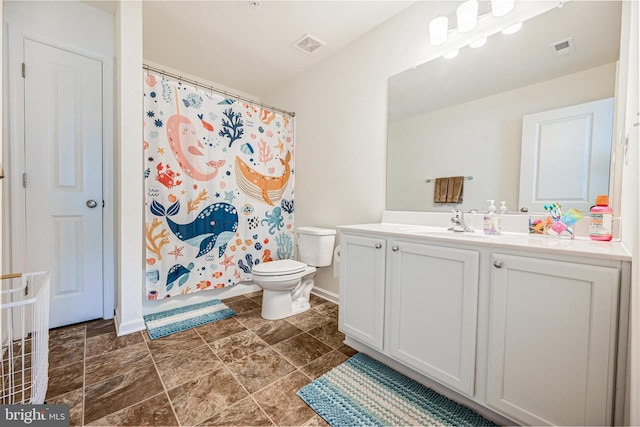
<point>241,371</point>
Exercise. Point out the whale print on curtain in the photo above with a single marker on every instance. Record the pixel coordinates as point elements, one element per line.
<point>219,188</point>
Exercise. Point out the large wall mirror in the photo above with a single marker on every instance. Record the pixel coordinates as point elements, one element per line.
<point>464,116</point>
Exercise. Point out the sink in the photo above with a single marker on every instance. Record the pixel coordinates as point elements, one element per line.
<point>421,229</point>
<point>477,234</point>
<point>444,231</point>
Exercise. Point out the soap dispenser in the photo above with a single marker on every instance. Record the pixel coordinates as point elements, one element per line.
<point>503,208</point>
<point>490,219</point>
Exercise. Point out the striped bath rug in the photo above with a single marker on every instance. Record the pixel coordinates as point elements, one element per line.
<point>182,318</point>
<point>365,392</point>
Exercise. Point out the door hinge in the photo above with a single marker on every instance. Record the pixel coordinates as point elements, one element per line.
<point>24,180</point>
<point>24,70</point>
<point>103,203</point>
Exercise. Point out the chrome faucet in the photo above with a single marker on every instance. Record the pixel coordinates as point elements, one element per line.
<point>458,222</point>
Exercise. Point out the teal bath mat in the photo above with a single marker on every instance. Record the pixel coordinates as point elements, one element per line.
<point>365,392</point>
<point>179,319</point>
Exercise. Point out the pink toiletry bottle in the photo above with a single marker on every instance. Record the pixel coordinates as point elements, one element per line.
<point>601,220</point>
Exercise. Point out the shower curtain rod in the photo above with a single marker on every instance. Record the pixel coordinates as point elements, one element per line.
<point>226,93</point>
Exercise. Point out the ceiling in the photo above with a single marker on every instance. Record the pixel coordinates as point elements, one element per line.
<point>249,48</point>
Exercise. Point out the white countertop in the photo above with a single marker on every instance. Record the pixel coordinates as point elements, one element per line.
<point>612,250</point>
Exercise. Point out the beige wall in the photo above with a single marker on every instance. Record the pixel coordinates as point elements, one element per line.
<point>128,194</point>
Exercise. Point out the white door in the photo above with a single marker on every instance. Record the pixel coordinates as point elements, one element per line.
<point>566,155</point>
<point>63,152</point>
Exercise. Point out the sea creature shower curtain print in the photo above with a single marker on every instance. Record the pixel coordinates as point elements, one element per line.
<point>219,188</point>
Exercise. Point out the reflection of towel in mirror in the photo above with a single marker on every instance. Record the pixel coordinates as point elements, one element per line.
<point>440,190</point>
<point>455,189</point>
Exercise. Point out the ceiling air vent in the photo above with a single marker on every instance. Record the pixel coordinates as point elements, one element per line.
<point>563,47</point>
<point>308,43</point>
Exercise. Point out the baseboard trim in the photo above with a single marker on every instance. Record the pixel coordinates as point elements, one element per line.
<point>325,294</point>
<point>126,328</point>
<point>155,306</point>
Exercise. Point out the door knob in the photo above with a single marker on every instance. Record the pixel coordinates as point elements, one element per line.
<point>498,264</point>
<point>92,204</point>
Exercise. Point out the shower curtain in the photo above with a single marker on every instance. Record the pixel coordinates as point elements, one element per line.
<point>219,188</point>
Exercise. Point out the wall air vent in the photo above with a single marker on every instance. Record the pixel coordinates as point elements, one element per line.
<point>563,47</point>
<point>308,43</point>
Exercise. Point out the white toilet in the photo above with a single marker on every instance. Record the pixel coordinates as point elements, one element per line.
<point>287,283</point>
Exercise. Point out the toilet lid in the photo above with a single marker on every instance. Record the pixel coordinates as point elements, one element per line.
<point>278,268</point>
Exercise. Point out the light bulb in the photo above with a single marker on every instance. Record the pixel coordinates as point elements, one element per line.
<point>438,30</point>
<point>512,29</point>
<point>478,43</point>
<point>501,7</point>
<point>451,54</point>
<point>467,14</point>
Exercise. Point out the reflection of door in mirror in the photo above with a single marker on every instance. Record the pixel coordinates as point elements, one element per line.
<point>572,145</point>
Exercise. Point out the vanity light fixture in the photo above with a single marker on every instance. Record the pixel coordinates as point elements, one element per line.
<point>501,7</point>
<point>467,20</point>
<point>451,54</point>
<point>512,29</point>
<point>478,42</point>
<point>438,30</point>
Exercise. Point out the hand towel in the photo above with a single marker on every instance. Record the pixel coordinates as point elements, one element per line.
<point>440,190</point>
<point>455,189</point>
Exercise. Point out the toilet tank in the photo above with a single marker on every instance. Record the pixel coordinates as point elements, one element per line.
<point>315,245</point>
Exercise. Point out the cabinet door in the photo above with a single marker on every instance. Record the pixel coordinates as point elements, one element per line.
<point>362,278</point>
<point>433,300</point>
<point>552,341</point>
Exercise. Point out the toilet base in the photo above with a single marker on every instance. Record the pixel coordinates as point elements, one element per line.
<point>280,304</point>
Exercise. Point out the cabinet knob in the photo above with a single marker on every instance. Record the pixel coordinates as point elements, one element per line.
<point>378,245</point>
<point>394,248</point>
<point>498,264</point>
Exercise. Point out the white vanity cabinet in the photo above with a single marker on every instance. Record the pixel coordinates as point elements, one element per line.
<point>522,329</point>
<point>432,297</point>
<point>362,286</point>
<point>552,341</point>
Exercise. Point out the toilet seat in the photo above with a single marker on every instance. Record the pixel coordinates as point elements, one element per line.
<point>281,267</point>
